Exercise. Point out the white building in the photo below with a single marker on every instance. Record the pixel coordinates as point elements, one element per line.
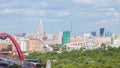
<point>60,35</point>
<point>85,42</point>
<point>6,41</point>
<point>21,41</point>
<point>116,43</point>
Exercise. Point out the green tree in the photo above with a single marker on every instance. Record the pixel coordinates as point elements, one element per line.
<point>9,47</point>
<point>103,46</point>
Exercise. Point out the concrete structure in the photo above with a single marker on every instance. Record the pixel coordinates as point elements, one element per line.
<point>115,40</point>
<point>105,40</point>
<point>47,48</point>
<point>85,42</point>
<point>7,41</point>
<point>52,39</point>
<point>34,45</point>
<point>3,46</point>
<point>60,35</point>
<point>116,43</point>
<point>21,42</point>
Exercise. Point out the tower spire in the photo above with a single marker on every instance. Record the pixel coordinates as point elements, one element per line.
<point>40,31</point>
<point>41,27</point>
<point>71,27</point>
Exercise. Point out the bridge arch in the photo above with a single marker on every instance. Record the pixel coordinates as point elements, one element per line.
<point>4,35</point>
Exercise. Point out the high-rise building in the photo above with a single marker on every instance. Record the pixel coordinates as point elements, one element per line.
<point>66,37</point>
<point>102,31</point>
<point>40,31</point>
<point>108,34</point>
<point>45,36</point>
<point>60,35</point>
<point>93,33</point>
<point>22,42</point>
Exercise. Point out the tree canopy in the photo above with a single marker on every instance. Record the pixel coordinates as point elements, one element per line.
<point>97,58</point>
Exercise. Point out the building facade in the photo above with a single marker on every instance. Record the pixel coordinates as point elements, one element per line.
<point>66,37</point>
<point>102,31</point>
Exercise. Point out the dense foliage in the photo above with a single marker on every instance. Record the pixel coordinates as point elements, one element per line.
<point>97,58</point>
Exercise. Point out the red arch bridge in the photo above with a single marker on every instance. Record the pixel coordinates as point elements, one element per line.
<point>21,61</point>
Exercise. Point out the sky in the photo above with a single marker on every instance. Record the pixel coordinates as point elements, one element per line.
<point>23,16</point>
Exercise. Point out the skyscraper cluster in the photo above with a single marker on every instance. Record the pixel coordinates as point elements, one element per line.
<point>102,32</point>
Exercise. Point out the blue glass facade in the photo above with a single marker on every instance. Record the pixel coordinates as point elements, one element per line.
<point>93,33</point>
<point>108,34</point>
<point>102,31</point>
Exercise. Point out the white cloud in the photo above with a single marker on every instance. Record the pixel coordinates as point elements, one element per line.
<point>42,12</point>
<point>63,13</point>
<point>84,1</point>
<point>39,4</point>
<point>109,21</point>
<point>115,20</point>
<point>22,11</point>
<point>106,9</point>
<point>97,12</point>
<point>117,1</point>
<point>6,11</point>
<point>43,4</point>
<point>116,14</point>
<point>96,3</point>
<point>113,14</point>
<point>5,4</point>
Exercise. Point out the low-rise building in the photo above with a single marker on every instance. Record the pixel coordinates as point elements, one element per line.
<point>3,46</point>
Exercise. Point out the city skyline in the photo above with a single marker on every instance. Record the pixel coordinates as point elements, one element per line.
<point>23,16</point>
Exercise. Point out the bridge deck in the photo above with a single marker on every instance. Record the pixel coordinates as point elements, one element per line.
<point>23,64</point>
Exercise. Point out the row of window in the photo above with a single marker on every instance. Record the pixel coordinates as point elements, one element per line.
<point>84,44</point>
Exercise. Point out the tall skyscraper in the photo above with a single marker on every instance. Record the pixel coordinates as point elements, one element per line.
<point>66,37</point>
<point>93,33</point>
<point>102,31</point>
<point>40,31</point>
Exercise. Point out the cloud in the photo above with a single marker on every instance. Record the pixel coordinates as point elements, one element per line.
<point>63,13</point>
<point>39,5</point>
<point>83,1</point>
<point>107,12</point>
<point>8,4</point>
<point>6,11</point>
<point>109,21</point>
<point>43,4</point>
<point>25,11</point>
<point>95,12</point>
<point>106,9</point>
<point>23,7</point>
<point>117,1</point>
<point>15,11</point>
<point>96,3</point>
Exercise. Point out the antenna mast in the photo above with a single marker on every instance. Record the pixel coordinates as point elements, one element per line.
<point>71,27</point>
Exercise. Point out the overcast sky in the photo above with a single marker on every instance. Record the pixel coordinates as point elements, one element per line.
<point>19,16</point>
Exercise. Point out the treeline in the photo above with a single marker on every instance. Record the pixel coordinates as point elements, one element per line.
<point>98,58</point>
